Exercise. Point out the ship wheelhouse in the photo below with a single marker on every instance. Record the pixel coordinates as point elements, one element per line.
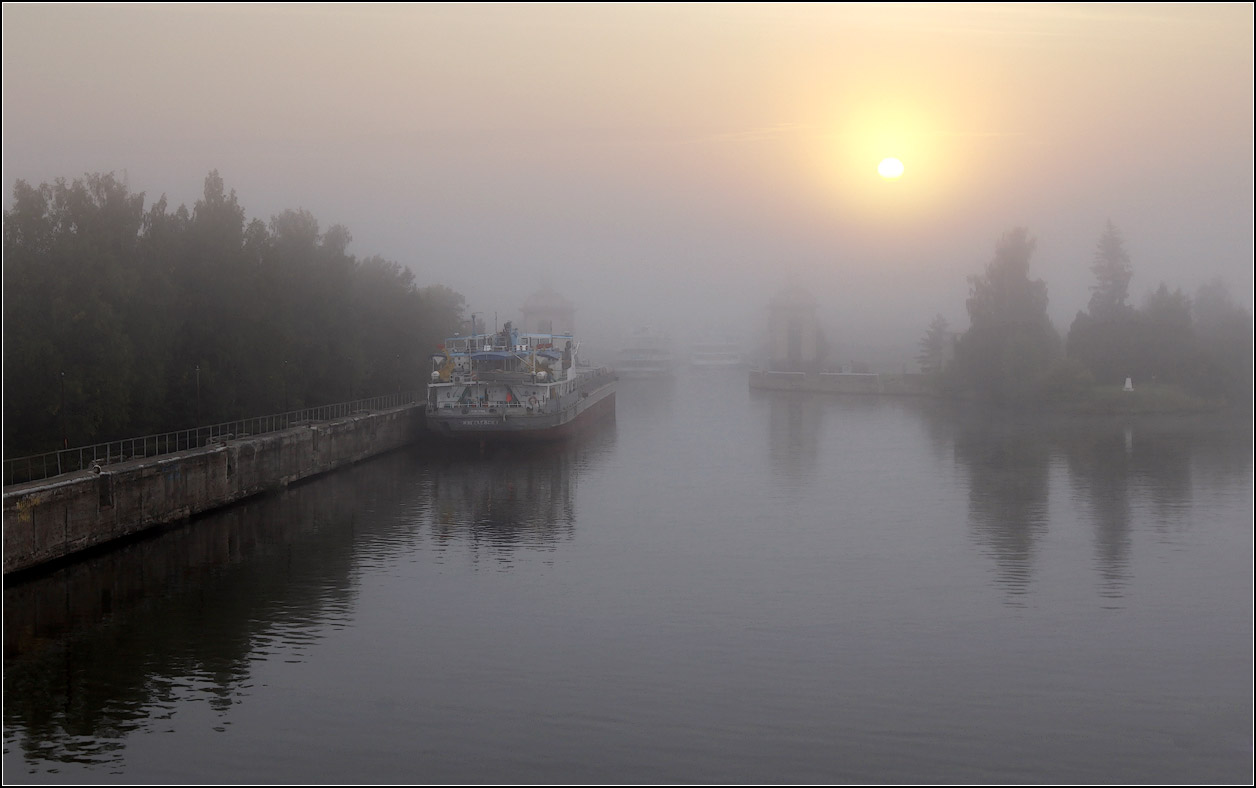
<point>509,370</point>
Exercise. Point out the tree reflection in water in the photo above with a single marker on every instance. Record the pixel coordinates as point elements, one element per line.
<point>112,644</point>
<point>1125,472</point>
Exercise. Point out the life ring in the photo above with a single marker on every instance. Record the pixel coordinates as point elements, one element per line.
<point>532,401</point>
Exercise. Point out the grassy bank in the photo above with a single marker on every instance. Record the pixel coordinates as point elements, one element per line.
<point>1143,399</point>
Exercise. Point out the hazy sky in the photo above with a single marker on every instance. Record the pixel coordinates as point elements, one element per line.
<point>675,164</point>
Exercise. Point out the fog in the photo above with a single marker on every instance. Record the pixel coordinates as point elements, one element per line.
<point>676,165</point>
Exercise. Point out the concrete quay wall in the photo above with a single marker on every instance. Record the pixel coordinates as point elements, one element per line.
<point>55,518</point>
<point>841,382</point>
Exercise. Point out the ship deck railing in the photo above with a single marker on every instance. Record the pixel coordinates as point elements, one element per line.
<point>491,407</point>
<point>488,342</point>
<point>506,376</point>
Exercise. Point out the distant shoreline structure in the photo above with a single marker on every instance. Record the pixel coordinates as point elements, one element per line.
<point>909,384</point>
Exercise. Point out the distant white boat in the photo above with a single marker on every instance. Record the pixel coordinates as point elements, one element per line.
<point>708,355</point>
<point>645,354</point>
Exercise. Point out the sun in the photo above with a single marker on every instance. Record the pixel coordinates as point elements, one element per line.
<point>890,168</point>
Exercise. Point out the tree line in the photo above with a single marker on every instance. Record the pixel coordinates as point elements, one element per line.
<point>1012,353</point>
<point>122,320</point>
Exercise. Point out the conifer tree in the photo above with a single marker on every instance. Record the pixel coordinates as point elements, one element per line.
<point>1113,272</point>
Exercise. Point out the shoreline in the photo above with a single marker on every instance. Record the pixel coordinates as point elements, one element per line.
<point>1153,401</point>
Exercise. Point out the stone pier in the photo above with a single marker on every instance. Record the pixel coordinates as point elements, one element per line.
<point>54,518</point>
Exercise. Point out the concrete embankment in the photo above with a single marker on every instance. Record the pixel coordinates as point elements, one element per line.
<point>55,518</point>
<point>841,382</point>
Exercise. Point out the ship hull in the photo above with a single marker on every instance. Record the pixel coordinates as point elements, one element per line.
<point>479,425</point>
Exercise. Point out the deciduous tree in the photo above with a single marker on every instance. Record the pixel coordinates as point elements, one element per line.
<point>1011,345</point>
<point>136,307</point>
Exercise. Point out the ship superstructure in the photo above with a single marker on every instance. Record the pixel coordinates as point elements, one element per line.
<point>514,384</point>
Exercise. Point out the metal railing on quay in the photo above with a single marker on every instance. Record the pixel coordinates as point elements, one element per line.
<point>43,466</point>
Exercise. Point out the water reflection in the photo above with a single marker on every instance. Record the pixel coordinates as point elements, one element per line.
<point>501,499</point>
<point>1008,491</point>
<point>795,424</point>
<point>1071,590</point>
<point>107,646</point>
<point>110,646</point>
<point>1161,464</point>
<point>1127,475</point>
<point>1099,464</point>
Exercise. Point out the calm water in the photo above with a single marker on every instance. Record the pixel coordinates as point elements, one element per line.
<point>719,586</point>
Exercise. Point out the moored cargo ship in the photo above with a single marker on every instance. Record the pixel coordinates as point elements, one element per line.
<point>512,385</point>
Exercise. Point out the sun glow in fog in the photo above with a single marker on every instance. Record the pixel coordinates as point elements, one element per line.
<point>869,141</point>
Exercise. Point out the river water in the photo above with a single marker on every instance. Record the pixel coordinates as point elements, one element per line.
<point>718,586</point>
